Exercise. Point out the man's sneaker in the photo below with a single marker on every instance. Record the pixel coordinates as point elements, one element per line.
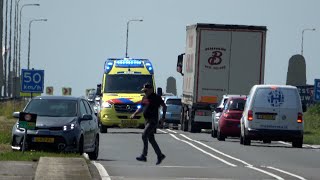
<point>141,158</point>
<point>160,159</point>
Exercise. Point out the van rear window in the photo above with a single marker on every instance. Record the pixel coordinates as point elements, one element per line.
<point>274,98</point>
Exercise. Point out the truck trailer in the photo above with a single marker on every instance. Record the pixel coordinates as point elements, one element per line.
<point>219,59</point>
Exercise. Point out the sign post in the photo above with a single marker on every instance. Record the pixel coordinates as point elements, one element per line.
<point>27,121</point>
<point>316,90</point>
<point>32,82</point>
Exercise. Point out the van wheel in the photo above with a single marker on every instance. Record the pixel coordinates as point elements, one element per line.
<point>220,136</point>
<point>103,129</point>
<point>246,141</point>
<point>297,143</point>
<point>241,139</point>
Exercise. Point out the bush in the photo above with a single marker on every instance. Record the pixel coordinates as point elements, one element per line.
<point>312,125</point>
<point>8,107</point>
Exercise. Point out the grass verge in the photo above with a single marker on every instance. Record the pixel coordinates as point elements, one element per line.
<point>312,125</point>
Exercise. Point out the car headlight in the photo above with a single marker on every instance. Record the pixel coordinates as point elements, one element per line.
<point>106,105</point>
<point>139,106</point>
<point>70,126</point>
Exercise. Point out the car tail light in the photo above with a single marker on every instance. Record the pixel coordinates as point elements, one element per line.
<point>300,118</point>
<point>250,115</point>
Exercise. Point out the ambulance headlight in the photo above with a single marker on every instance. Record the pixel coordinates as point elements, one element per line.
<point>106,105</point>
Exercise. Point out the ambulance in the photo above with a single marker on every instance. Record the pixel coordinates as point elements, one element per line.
<point>120,92</point>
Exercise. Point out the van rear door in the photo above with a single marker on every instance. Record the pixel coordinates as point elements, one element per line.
<point>265,108</point>
<point>290,108</point>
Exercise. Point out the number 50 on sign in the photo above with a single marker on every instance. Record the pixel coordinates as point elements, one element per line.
<point>32,80</point>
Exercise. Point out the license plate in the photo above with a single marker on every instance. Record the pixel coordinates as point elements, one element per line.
<point>266,116</point>
<point>128,123</point>
<point>43,139</point>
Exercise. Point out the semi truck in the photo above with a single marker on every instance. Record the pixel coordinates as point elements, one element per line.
<point>219,59</point>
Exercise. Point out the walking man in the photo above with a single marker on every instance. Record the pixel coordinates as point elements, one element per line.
<point>150,106</point>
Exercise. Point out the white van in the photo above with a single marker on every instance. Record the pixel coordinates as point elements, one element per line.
<point>272,113</point>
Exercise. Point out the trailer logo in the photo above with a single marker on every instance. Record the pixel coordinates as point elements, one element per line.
<point>275,98</point>
<point>215,59</point>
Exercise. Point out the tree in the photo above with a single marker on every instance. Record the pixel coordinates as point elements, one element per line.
<point>171,86</point>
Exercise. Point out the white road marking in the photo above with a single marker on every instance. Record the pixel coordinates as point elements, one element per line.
<point>226,155</point>
<point>266,172</point>
<point>171,131</point>
<point>231,157</point>
<point>285,172</point>
<point>205,152</point>
<point>102,171</point>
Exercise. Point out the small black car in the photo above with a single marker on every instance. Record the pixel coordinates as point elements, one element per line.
<point>63,123</point>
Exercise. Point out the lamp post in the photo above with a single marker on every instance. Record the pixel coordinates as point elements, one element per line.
<point>20,31</point>
<point>29,39</point>
<point>308,29</point>
<point>128,33</point>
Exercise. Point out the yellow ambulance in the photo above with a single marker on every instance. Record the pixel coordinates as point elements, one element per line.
<point>121,94</point>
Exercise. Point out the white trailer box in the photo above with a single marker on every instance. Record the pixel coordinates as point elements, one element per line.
<point>219,59</point>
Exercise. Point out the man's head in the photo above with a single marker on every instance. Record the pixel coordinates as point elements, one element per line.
<point>147,88</point>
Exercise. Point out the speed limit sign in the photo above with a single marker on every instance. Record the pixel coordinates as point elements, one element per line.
<point>32,81</point>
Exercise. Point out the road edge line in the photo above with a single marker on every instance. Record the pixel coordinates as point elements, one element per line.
<point>102,171</point>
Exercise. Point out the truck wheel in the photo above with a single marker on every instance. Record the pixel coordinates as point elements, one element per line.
<point>184,123</point>
<point>103,129</point>
<point>297,143</point>
<point>191,124</point>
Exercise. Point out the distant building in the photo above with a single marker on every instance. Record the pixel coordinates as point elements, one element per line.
<point>171,86</point>
<point>296,75</point>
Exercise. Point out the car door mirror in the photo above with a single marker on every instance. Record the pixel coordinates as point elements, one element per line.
<point>16,114</point>
<point>86,117</point>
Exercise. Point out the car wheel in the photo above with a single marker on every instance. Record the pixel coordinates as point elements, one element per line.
<point>80,146</point>
<point>103,129</point>
<point>297,143</point>
<point>241,139</point>
<point>220,136</point>
<point>246,141</point>
<point>94,155</point>
<point>214,133</point>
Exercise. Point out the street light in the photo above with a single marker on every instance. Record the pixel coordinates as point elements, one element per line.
<point>20,31</point>
<point>29,39</point>
<point>308,29</point>
<point>128,33</point>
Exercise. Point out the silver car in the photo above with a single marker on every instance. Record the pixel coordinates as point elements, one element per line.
<point>173,114</point>
<point>63,123</point>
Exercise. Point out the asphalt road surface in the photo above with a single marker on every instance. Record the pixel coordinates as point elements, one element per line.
<point>199,156</point>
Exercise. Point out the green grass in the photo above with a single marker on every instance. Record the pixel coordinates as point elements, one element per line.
<point>7,108</point>
<point>312,125</point>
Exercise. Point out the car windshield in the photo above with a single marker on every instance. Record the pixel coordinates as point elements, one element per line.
<point>52,107</point>
<point>123,83</point>
<point>236,104</point>
<point>174,102</point>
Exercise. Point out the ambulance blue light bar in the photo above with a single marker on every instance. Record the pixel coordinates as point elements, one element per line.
<point>108,66</point>
<point>129,63</point>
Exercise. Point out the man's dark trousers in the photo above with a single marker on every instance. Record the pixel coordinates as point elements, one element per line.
<point>148,134</point>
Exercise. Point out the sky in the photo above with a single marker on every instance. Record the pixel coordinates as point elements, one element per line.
<point>72,46</point>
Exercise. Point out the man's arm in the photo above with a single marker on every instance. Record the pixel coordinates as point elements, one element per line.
<point>136,112</point>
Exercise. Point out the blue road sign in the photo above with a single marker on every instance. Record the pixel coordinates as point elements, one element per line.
<point>32,81</point>
<point>316,91</point>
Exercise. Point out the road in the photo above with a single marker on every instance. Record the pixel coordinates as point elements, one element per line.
<point>199,156</point>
